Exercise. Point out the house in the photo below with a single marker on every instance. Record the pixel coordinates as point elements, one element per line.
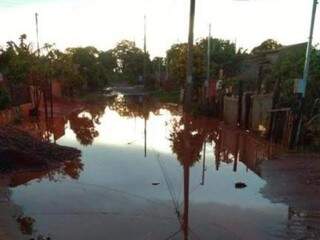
<point>256,69</point>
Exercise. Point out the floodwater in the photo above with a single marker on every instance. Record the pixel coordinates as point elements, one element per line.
<point>148,171</point>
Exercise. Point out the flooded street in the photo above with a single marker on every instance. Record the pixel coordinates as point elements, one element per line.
<point>148,171</point>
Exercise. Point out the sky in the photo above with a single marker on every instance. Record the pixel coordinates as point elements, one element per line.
<point>104,23</point>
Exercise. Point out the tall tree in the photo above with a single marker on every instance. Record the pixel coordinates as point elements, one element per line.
<point>130,60</point>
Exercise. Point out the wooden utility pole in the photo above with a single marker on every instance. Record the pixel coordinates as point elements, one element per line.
<point>208,57</point>
<point>37,32</point>
<point>145,35</point>
<point>145,50</point>
<point>189,80</point>
<point>306,71</point>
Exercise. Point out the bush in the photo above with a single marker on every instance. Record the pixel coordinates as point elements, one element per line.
<point>4,99</point>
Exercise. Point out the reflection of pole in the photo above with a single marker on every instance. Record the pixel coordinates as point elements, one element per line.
<point>218,148</point>
<point>306,70</point>
<point>204,162</point>
<point>235,164</point>
<point>186,178</point>
<point>145,137</point>
<point>189,82</point>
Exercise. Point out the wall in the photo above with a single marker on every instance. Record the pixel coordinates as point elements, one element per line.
<point>56,89</point>
<point>230,110</point>
<point>9,115</point>
<point>260,115</point>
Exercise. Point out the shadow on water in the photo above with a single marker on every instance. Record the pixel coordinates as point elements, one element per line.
<point>146,165</point>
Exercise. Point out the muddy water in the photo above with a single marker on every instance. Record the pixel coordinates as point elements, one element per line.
<point>149,172</point>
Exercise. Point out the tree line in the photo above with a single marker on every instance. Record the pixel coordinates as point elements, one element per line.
<point>87,68</point>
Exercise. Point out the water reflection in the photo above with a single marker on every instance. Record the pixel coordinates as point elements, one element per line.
<point>52,172</point>
<point>115,191</point>
<point>83,127</point>
<point>190,136</point>
<point>26,225</point>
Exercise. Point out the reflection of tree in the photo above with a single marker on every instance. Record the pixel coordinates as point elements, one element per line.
<point>26,225</point>
<point>84,129</point>
<point>71,169</point>
<point>135,106</point>
<point>96,111</point>
<point>188,135</point>
<point>52,172</point>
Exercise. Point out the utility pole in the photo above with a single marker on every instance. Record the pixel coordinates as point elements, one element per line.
<point>208,57</point>
<point>206,82</point>
<point>306,71</point>
<point>189,82</point>
<point>145,49</point>
<point>145,35</point>
<point>37,31</point>
<point>159,69</point>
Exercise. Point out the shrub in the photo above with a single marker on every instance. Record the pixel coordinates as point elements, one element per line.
<point>4,99</point>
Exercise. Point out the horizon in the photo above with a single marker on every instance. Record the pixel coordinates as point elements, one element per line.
<point>103,24</point>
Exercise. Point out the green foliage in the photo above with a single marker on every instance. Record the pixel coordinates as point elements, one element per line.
<point>131,61</point>
<point>16,60</point>
<point>68,73</point>
<point>177,63</point>
<point>108,63</point>
<point>223,55</point>
<point>77,68</point>
<point>290,66</point>
<point>267,45</point>
<point>86,59</point>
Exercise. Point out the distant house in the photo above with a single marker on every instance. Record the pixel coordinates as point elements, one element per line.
<point>257,68</point>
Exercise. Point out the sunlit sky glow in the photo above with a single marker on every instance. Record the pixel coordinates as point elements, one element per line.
<point>103,23</point>
<point>133,136</point>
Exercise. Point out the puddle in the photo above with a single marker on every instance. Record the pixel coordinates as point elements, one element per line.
<point>138,161</point>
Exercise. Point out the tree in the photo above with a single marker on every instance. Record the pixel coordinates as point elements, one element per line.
<point>289,67</point>
<point>223,56</point>
<point>267,45</point>
<point>89,67</point>
<point>108,62</point>
<point>68,72</point>
<point>130,61</point>
<point>177,63</point>
<point>16,60</point>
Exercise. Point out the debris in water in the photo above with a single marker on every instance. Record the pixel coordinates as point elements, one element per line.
<point>19,148</point>
<point>26,225</point>
<point>240,185</point>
